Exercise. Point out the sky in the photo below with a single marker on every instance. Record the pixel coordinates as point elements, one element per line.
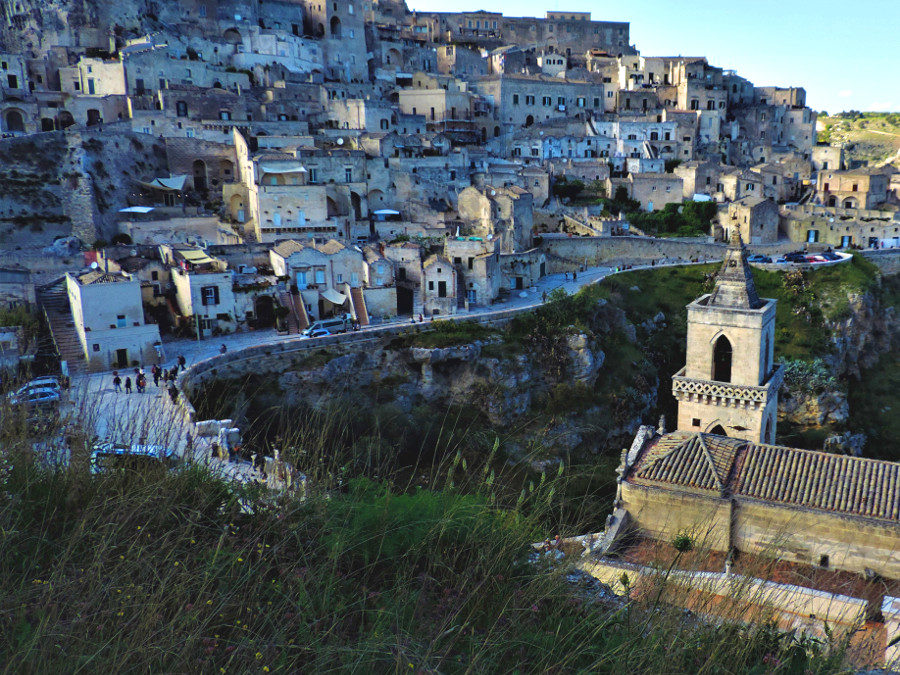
<point>845,53</point>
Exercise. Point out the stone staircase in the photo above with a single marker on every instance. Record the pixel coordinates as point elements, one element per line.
<point>54,300</point>
<point>303,321</point>
<point>293,323</point>
<point>358,306</point>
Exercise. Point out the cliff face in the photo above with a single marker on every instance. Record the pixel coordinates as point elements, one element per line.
<point>868,331</point>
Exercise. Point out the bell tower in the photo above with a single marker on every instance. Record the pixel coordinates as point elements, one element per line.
<point>729,385</point>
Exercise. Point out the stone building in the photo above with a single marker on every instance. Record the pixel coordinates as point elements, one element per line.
<point>501,214</point>
<point>729,385</point>
<point>865,188</point>
<point>754,218</point>
<point>440,280</point>
<point>109,320</point>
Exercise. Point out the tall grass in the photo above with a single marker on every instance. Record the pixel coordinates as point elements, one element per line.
<point>424,570</point>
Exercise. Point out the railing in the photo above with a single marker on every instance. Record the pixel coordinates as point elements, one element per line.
<point>690,387</point>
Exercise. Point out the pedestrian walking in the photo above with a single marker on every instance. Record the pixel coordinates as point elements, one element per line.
<point>574,276</point>
<point>156,375</point>
<point>544,297</point>
<point>223,349</point>
<point>117,381</point>
<point>215,450</point>
<point>566,275</point>
<point>182,362</point>
<point>127,385</point>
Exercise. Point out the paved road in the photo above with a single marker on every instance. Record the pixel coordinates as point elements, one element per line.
<point>152,418</point>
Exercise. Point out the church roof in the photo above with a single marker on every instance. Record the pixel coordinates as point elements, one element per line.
<point>734,282</point>
<point>722,466</point>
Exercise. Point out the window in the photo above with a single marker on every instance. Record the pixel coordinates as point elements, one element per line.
<point>96,348</point>
<point>313,175</point>
<point>209,295</point>
<point>529,99</point>
<point>91,86</point>
<point>120,321</point>
<point>515,102</point>
<point>320,276</point>
<point>348,175</point>
<point>354,279</point>
<point>546,100</point>
<point>13,81</point>
<point>430,285</point>
<point>695,422</point>
<point>340,278</point>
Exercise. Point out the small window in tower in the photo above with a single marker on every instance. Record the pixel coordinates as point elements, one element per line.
<point>695,422</point>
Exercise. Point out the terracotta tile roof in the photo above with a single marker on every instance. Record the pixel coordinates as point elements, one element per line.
<point>287,248</point>
<point>820,480</point>
<point>700,461</point>
<point>696,462</point>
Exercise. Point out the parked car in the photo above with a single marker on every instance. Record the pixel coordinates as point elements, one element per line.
<point>758,258</point>
<point>40,383</point>
<point>335,325</point>
<point>107,457</point>
<point>33,397</point>
<point>830,255</point>
<point>318,332</point>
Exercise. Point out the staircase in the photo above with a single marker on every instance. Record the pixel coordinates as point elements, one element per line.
<point>358,306</point>
<point>460,288</point>
<point>293,323</point>
<point>303,321</point>
<point>54,300</point>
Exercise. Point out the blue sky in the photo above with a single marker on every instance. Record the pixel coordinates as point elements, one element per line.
<point>846,54</point>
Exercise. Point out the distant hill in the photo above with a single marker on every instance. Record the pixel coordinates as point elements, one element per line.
<point>870,136</point>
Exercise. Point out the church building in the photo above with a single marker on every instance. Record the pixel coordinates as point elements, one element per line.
<point>806,538</point>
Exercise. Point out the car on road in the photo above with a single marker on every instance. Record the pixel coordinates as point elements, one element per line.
<point>758,258</point>
<point>106,457</point>
<point>330,326</point>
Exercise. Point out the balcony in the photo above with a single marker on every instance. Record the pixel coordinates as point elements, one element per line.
<point>725,393</point>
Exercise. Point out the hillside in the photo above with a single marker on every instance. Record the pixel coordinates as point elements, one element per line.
<point>869,137</point>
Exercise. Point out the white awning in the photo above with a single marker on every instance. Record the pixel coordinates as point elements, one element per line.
<point>268,168</point>
<point>172,183</point>
<point>386,212</point>
<point>136,209</point>
<point>334,297</point>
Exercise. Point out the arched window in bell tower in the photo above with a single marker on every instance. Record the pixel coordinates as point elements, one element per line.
<point>722,360</point>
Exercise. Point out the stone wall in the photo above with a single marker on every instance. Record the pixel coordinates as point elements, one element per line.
<point>593,251</point>
<point>736,597</point>
<point>888,260</point>
<point>663,514</point>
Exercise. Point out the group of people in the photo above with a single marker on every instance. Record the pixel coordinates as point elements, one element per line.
<point>165,375</point>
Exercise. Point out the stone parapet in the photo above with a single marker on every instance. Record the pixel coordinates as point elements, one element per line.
<point>724,393</point>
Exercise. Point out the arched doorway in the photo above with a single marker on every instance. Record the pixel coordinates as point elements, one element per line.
<point>226,171</point>
<point>15,121</point>
<point>357,205</point>
<point>264,308</point>
<point>65,119</point>
<point>93,117</point>
<point>496,132</point>
<point>232,36</point>
<point>238,212</point>
<point>767,434</point>
<point>529,120</point>
<point>722,354</point>
<point>718,430</point>
<point>335,27</point>
<point>332,207</point>
<point>832,201</point>
<point>46,124</point>
<point>850,203</point>
<point>200,182</point>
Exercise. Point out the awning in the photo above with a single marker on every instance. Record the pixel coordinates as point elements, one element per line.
<point>386,212</point>
<point>171,184</point>
<point>334,297</point>
<point>196,257</point>
<point>136,209</point>
<point>268,168</point>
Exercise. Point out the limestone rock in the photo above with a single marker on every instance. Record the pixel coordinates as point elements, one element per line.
<point>846,443</point>
<point>817,409</point>
<point>584,364</point>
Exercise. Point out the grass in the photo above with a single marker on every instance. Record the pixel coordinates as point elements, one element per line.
<point>182,573</point>
<point>871,136</point>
